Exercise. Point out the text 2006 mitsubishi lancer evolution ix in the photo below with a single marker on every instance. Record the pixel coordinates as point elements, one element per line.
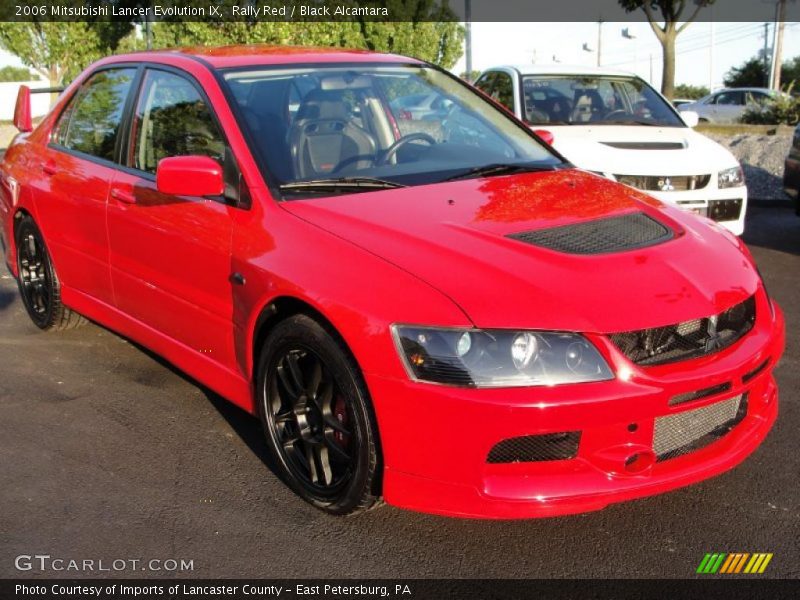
<point>429,306</point>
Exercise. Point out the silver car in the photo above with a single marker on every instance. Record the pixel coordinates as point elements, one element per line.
<point>729,104</point>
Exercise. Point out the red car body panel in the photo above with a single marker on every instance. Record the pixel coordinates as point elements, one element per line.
<point>430,255</point>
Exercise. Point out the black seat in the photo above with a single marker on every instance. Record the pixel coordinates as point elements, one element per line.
<point>325,136</point>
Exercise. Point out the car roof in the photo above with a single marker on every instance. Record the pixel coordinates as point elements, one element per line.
<point>564,70</point>
<point>221,57</point>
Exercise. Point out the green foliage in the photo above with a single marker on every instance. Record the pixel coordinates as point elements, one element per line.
<point>753,73</point>
<point>10,73</point>
<point>690,92</point>
<point>59,51</point>
<point>431,33</point>
<point>781,108</point>
<point>471,77</point>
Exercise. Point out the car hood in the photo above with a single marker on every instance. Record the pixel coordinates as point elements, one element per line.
<point>632,150</point>
<point>454,236</point>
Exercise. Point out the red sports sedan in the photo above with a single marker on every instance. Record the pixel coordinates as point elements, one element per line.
<point>435,309</point>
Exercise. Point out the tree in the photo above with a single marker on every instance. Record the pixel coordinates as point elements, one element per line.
<point>425,29</point>
<point>59,51</point>
<point>690,92</point>
<point>670,13</point>
<point>753,73</point>
<point>10,73</point>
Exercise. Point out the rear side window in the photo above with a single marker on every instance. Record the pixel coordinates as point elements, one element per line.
<point>172,119</point>
<point>91,122</point>
<point>503,90</point>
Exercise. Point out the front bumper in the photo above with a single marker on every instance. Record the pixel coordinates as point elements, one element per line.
<point>727,206</point>
<point>436,439</point>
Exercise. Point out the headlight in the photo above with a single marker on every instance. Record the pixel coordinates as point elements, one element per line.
<point>498,357</point>
<point>728,178</point>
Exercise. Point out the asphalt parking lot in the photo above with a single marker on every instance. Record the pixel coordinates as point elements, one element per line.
<point>108,453</point>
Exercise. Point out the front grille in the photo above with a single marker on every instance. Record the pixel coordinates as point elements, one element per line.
<point>684,432</point>
<point>662,183</point>
<point>614,234</point>
<point>690,339</point>
<point>536,448</point>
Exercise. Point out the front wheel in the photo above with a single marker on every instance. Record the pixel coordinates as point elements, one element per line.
<point>317,417</point>
<point>38,283</point>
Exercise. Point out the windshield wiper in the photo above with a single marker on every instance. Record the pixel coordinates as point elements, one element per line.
<point>342,183</point>
<point>498,169</point>
<point>629,122</point>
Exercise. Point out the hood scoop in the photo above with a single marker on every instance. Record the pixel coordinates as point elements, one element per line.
<point>646,145</point>
<point>602,236</point>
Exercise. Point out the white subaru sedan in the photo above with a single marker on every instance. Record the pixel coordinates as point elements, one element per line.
<point>614,124</point>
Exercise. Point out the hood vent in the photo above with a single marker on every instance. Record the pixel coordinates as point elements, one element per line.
<point>646,145</point>
<point>601,236</point>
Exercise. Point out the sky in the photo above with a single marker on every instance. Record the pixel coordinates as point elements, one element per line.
<point>698,61</point>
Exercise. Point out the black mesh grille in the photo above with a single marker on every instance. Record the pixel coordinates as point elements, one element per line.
<point>535,448</point>
<point>689,339</point>
<point>646,145</point>
<point>704,393</point>
<point>691,430</point>
<point>615,234</point>
<point>655,183</point>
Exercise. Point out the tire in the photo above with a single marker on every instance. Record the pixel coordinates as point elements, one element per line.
<point>317,417</point>
<point>38,282</point>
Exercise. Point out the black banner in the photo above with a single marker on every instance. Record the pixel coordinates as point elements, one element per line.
<point>732,588</point>
<point>373,10</point>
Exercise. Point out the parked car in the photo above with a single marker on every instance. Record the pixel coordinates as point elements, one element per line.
<point>678,102</point>
<point>616,125</point>
<point>791,170</point>
<point>459,321</point>
<point>421,107</point>
<point>729,105</point>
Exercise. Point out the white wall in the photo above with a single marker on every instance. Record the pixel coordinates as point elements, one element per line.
<point>40,103</point>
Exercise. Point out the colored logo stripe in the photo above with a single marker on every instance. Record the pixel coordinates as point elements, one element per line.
<point>735,562</point>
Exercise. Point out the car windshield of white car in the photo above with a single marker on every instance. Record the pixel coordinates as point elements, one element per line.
<point>351,128</point>
<point>595,100</point>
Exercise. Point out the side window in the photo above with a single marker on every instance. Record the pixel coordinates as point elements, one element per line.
<point>503,90</point>
<point>172,119</point>
<point>91,122</point>
<point>485,82</point>
<point>730,99</point>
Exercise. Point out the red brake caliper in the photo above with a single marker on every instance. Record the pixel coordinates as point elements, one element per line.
<point>340,414</point>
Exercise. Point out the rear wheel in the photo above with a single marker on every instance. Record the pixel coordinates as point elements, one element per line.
<point>317,417</point>
<point>37,281</point>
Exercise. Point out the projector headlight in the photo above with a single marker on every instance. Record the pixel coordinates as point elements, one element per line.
<point>728,178</point>
<point>498,357</point>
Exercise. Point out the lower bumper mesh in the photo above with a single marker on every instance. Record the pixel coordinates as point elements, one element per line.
<point>690,430</point>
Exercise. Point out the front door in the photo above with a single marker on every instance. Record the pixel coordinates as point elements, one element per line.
<point>171,255</point>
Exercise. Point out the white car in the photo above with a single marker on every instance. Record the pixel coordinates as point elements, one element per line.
<point>614,124</point>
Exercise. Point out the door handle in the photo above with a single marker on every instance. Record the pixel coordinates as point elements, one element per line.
<point>122,196</point>
<point>49,168</point>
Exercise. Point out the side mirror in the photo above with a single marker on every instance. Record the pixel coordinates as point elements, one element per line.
<point>22,110</point>
<point>690,117</point>
<point>546,136</point>
<point>189,176</point>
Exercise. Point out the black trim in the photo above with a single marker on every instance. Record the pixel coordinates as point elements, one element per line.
<point>750,375</point>
<point>704,393</point>
<point>536,448</point>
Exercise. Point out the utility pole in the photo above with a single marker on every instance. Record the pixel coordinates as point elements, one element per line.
<point>777,51</point>
<point>766,54</point>
<point>468,37</point>
<point>626,33</point>
<point>599,40</point>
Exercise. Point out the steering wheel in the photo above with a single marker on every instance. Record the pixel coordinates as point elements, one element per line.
<point>615,113</point>
<point>354,159</point>
<point>406,139</point>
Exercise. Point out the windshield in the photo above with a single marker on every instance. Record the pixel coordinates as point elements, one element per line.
<point>347,128</point>
<point>596,100</point>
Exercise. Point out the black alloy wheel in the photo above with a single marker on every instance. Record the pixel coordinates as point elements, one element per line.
<point>37,280</point>
<point>316,414</point>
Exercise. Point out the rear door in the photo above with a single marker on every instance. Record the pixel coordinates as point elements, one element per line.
<point>171,255</point>
<point>728,106</point>
<point>78,166</point>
